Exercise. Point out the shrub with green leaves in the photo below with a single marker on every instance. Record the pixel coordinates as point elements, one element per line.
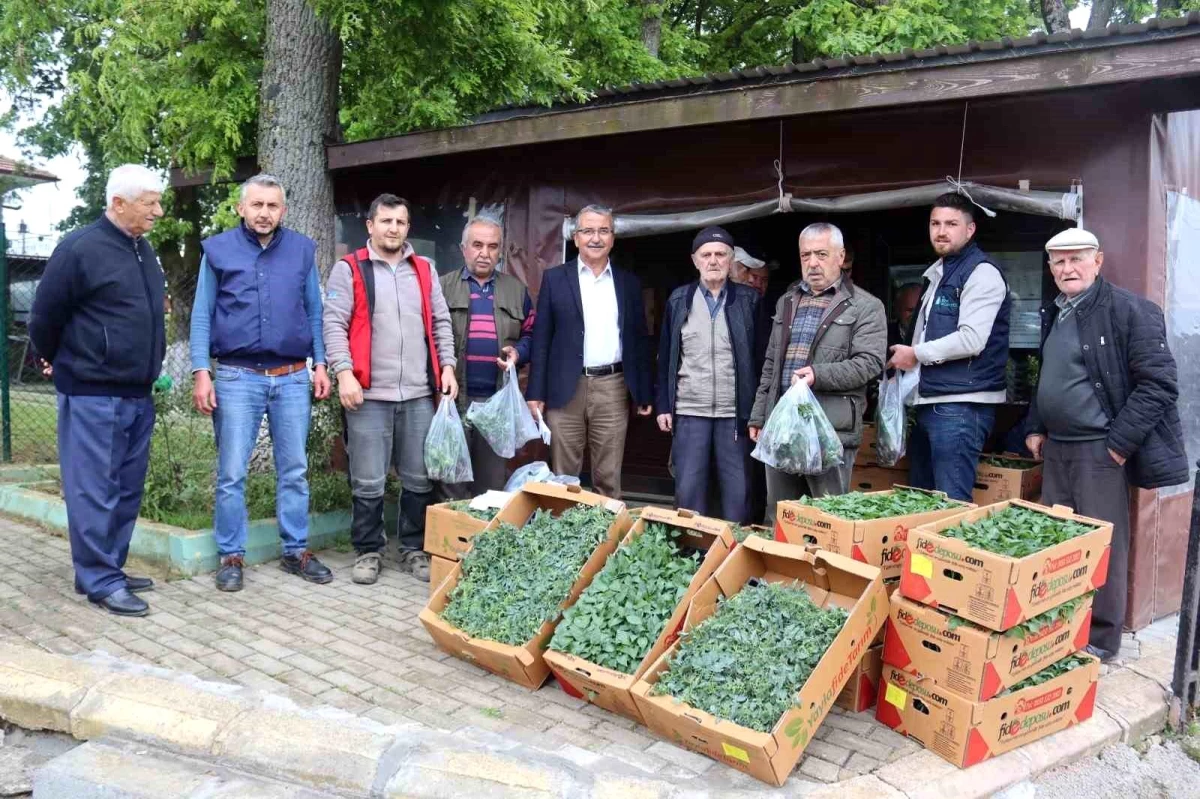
<point>860,506</point>
<point>747,661</point>
<point>464,506</point>
<point>1017,532</point>
<point>515,579</point>
<point>621,614</point>
<point>1069,663</point>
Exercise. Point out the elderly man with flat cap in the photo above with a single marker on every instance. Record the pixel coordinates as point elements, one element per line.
<point>1103,416</point>
<point>707,378</point>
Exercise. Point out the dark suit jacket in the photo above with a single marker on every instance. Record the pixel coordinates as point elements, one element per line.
<point>557,360</point>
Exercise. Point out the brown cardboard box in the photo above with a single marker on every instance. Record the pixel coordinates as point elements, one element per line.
<point>524,665</point>
<point>966,732</point>
<point>830,580</point>
<point>862,689</point>
<point>439,569</point>
<point>873,477</point>
<point>868,450</point>
<point>997,591</point>
<point>995,483</point>
<point>972,662</point>
<point>610,689</point>
<point>448,533</point>
<point>879,542</point>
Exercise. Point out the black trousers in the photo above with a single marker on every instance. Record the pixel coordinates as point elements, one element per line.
<point>1084,476</point>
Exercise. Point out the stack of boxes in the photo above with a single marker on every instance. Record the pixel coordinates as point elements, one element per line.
<point>869,474</point>
<point>448,534</point>
<point>966,625</point>
<point>878,542</point>
<point>1001,477</point>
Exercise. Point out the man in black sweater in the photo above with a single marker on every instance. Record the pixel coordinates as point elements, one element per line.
<point>1103,415</point>
<point>97,319</point>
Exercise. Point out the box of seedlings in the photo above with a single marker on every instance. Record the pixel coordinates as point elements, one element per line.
<point>768,643</point>
<point>500,604</point>
<point>635,606</point>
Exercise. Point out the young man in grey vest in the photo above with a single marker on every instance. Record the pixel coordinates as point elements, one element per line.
<point>960,345</point>
<point>492,317</point>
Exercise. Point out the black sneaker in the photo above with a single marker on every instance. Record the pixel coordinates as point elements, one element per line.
<point>307,566</point>
<point>1104,655</point>
<point>229,577</point>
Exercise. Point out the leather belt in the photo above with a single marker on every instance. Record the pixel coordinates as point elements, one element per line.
<point>603,371</point>
<point>280,371</point>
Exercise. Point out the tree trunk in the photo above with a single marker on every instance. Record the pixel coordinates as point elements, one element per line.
<point>302,62</point>
<point>1054,14</point>
<point>1102,11</point>
<point>652,25</point>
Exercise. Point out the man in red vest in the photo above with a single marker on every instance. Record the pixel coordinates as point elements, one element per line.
<point>390,343</point>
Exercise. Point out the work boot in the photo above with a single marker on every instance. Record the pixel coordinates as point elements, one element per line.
<point>307,566</point>
<point>366,568</point>
<point>229,577</point>
<point>416,563</point>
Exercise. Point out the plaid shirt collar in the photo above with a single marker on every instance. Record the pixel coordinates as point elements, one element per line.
<point>1068,305</point>
<point>806,289</point>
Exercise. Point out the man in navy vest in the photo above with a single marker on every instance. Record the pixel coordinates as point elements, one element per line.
<point>97,319</point>
<point>960,345</point>
<point>258,312</point>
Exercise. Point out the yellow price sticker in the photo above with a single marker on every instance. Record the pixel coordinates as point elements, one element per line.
<point>896,696</point>
<point>921,565</point>
<point>737,753</point>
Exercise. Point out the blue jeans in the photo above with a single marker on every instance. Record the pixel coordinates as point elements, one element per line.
<point>946,442</point>
<point>712,449</point>
<point>103,454</point>
<point>243,396</point>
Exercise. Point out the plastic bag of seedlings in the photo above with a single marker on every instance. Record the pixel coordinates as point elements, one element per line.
<point>798,438</point>
<point>447,458</point>
<point>537,472</point>
<point>504,419</point>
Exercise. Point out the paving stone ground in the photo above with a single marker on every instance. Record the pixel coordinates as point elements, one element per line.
<point>362,649</point>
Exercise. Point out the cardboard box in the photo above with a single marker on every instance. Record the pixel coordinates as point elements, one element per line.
<point>879,542</point>
<point>862,689</point>
<point>996,591</point>
<point>973,663</point>
<point>872,477</point>
<point>830,580</point>
<point>868,450</point>
<point>439,569</point>
<point>525,664</point>
<point>995,483</point>
<point>966,732</point>
<point>610,689</point>
<point>448,532</point>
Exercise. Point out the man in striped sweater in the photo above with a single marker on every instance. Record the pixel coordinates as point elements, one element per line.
<point>492,317</point>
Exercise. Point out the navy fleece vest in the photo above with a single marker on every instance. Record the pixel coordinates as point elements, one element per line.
<point>259,319</point>
<point>985,372</point>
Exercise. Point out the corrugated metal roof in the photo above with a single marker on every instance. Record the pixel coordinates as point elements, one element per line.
<point>908,59</point>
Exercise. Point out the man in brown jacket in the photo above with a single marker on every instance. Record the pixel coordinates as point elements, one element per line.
<point>833,335</point>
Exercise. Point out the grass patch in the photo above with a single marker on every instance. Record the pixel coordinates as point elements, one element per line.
<point>492,712</point>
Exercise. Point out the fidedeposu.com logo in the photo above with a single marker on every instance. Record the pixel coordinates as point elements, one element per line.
<point>934,548</point>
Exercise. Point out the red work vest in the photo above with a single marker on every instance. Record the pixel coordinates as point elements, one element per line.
<point>364,308</point>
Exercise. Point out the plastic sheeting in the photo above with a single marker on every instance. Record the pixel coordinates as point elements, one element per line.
<point>1041,203</point>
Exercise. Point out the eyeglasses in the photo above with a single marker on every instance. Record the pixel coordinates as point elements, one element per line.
<point>588,232</point>
<point>820,255</point>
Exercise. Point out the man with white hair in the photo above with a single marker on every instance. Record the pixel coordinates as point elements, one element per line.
<point>1104,414</point>
<point>97,318</point>
<point>831,334</point>
<point>492,317</point>
<point>258,313</point>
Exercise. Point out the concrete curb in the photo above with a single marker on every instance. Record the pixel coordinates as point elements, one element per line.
<point>329,750</point>
<point>179,551</point>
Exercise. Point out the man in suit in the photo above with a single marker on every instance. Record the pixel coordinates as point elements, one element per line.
<point>589,353</point>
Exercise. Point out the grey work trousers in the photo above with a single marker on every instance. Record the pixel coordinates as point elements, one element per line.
<point>782,486</point>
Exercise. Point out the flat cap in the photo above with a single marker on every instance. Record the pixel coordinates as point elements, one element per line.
<point>711,234</point>
<point>1075,238</point>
